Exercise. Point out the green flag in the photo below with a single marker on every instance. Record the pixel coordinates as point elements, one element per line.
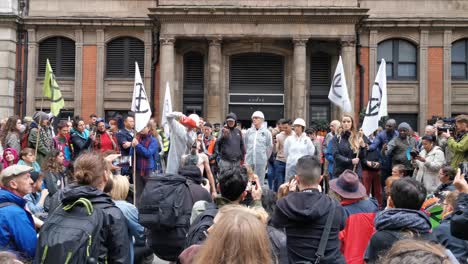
<point>52,91</point>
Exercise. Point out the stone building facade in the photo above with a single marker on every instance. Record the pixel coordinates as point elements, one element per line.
<point>221,55</point>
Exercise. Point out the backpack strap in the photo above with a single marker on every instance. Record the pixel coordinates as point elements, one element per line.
<point>326,233</point>
<point>5,204</point>
<point>85,202</point>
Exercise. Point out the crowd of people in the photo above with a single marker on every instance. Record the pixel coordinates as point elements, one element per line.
<point>94,191</point>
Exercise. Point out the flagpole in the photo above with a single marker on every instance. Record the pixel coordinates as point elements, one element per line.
<point>134,174</point>
<point>39,125</point>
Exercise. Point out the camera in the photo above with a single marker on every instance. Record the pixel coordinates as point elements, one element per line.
<point>414,153</point>
<point>449,124</point>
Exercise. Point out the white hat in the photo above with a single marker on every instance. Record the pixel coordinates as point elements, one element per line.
<point>195,118</point>
<point>300,122</point>
<point>258,114</point>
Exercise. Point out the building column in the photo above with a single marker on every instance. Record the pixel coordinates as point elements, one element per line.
<point>8,66</point>
<point>372,58</point>
<point>423,45</point>
<point>299,107</point>
<point>32,72</point>
<point>348,55</point>
<point>78,70</point>
<point>447,73</point>
<point>213,110</point>
<point>148,56</point>
<point>167,64</point>
<point>100,57</point>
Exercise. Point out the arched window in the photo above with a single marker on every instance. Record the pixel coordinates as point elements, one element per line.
<point>61,54</point>
<point>401,58</point>
<point>121,55</point>
<point>459,60</point>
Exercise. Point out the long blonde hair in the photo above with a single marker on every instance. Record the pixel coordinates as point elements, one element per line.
<point>354,138</point>
<point>238,237</point>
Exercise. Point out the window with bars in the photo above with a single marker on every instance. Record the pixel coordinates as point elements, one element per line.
<point>320,80</point>
<point>61,54</point>
<point>400,57</point>
<point>459,60</point>
<point>193,83</point>
<point>121,54</point>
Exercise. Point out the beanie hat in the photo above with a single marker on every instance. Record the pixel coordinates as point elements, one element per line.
<point>404,125</point>
<point>39,116</point>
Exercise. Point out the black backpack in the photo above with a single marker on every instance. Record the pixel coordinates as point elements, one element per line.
<point>197,232</point>
<point>165,210</point>
<point>71,234</point>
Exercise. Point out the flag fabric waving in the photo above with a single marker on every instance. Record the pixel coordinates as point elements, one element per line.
<point>140,102</point>
<point>377,106</point>
<point>52,91</point>
<point>339,90</point>
<point>167,108</point>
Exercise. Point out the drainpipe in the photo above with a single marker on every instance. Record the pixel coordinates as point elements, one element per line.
<point>18,79</point>
<point>154,62</point>
<point>361,69</point>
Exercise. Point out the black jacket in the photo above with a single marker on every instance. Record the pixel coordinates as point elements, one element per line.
<point>459,223</point>
<point>304,215</point>
<point>114,229</point>
<point>458,247</point>
<point>124,136</point>
<point>392,225</point>
<point>343,154</point>
<point>371,155</point>
<point>230,147</point>
<point>79,144</point>
<point>193,174</point>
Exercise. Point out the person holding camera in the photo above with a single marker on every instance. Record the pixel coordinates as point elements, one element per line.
<point>459,144</point>
<point>428,163</point>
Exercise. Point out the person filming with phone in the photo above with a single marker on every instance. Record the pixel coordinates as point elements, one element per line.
<point>458,143</point>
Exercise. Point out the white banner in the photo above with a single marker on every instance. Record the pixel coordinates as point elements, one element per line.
<point>377,106</point>
<point>167,109</point>
<point>339,90</point>
<point>140,102</point>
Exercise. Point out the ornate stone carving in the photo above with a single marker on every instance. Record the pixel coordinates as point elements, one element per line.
<point>166,40</point>
<point>300,41</point>
<point>215,41</point>
<point>348,41</point>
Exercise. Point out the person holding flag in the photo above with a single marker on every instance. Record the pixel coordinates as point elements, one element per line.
<point>144,146</point>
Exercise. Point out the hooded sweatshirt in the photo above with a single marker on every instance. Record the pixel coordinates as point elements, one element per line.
<point>304,215</point>
<point>115,231</point>
<point>392,225</point>
<point>231,147</point>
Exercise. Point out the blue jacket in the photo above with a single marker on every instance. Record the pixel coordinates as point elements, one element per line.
<point>134,228</point>
<point>16,226</point>
<point>383,138</point>
<point>329,157</point>
<point>458,247</point>
<point>363,206</point>
<point>147,157</point>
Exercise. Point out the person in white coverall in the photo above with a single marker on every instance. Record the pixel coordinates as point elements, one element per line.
<point>296,146</point>
<point>259,144</point>
<point>181,137</point>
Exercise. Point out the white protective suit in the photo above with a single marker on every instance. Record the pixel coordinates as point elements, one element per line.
<point>259,145</point>
<point>180,139</point>
<point>294,148</point>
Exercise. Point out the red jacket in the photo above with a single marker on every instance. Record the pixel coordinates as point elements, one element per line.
<point>355,237</point>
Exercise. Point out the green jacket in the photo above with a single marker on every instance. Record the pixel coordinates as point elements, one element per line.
<point>459,149</point>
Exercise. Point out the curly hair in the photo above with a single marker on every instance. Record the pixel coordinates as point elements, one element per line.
<point>50,164</point>
<point>10,127</point>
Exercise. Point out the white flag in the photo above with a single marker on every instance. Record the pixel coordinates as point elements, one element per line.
<point>339,90</point>
<point>140,102</point>
<point>167,109</point>
<point>377,106</point>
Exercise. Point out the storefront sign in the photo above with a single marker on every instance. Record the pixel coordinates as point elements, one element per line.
<point>259,99</point>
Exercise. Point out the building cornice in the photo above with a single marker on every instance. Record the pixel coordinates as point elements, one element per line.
<point>88,21</point>
<point>415,22</point>
<point>257,15</point>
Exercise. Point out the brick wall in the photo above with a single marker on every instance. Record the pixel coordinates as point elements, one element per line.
<point>435,98</point>
<point>88,103</point>
<point>365,63</point>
